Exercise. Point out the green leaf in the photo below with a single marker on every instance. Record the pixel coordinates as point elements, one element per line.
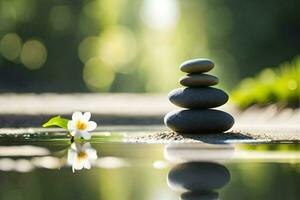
<point>57,121</point>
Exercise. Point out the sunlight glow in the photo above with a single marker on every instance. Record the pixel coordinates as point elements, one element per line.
<point>160,15</point>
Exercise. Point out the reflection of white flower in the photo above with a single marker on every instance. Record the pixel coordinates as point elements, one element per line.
<point>81,156</point>
<point>80,125</point>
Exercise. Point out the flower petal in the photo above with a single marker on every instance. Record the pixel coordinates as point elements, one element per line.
<point>73,133</point>
<point>86,135</point>
<point>77,134</point>
<point>74,146</point>
<point>78,165</point>
<point>86,116</point>
<point>71,156</point>
<point>76,116</point>
<point>86,164</point>
<point>92,153</point>
<point>91,126</point>
<point>71,125</point>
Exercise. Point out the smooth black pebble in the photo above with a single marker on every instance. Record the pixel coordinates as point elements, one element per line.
<point>199,65</point>
<point>199,121</point>
<point>198,80</point>
<point>207,97</point>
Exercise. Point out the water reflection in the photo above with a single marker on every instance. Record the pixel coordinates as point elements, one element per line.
<point>139,171</point>
<point>200,196</point>
<point>26,158</point>
<point>189,152</point>
<point>81,155</point>
<point>198,175</point>
<point>198,180</point>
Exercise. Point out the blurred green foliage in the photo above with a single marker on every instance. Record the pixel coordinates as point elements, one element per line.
<point>279,85</point>
<point>137,46</point>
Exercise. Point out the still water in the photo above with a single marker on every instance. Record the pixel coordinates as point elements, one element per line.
<point>108,169</point>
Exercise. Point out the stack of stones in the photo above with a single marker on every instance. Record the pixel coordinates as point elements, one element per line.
<point>198,98</point>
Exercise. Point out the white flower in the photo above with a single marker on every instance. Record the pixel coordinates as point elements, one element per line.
<point>80,125</point>
<point>81,156</point>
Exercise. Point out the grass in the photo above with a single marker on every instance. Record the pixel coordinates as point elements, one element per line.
<point>279,86</point>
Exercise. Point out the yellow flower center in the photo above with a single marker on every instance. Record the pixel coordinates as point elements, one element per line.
<point>82,155</point>
<point>81,125</point>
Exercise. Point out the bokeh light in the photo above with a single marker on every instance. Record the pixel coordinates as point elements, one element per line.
<point>118,48</point>
<point>33,54</point>
<point>92,8</point>
<point>89,48</point>
<point>8,15</point>
<point>60,17</point>
<point>106,12</point>
<point>292,84</point>
<point>10,46</point>
<point>97,75</point>
<point>160,15</point>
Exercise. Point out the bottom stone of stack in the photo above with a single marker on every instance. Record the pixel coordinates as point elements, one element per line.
<point>199,121</point>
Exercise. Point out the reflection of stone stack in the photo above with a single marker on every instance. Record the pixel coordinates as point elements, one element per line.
<point>198,97</point>
<point>198,180</point>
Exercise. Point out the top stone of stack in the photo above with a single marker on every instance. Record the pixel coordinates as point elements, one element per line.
<point>197,66</point>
